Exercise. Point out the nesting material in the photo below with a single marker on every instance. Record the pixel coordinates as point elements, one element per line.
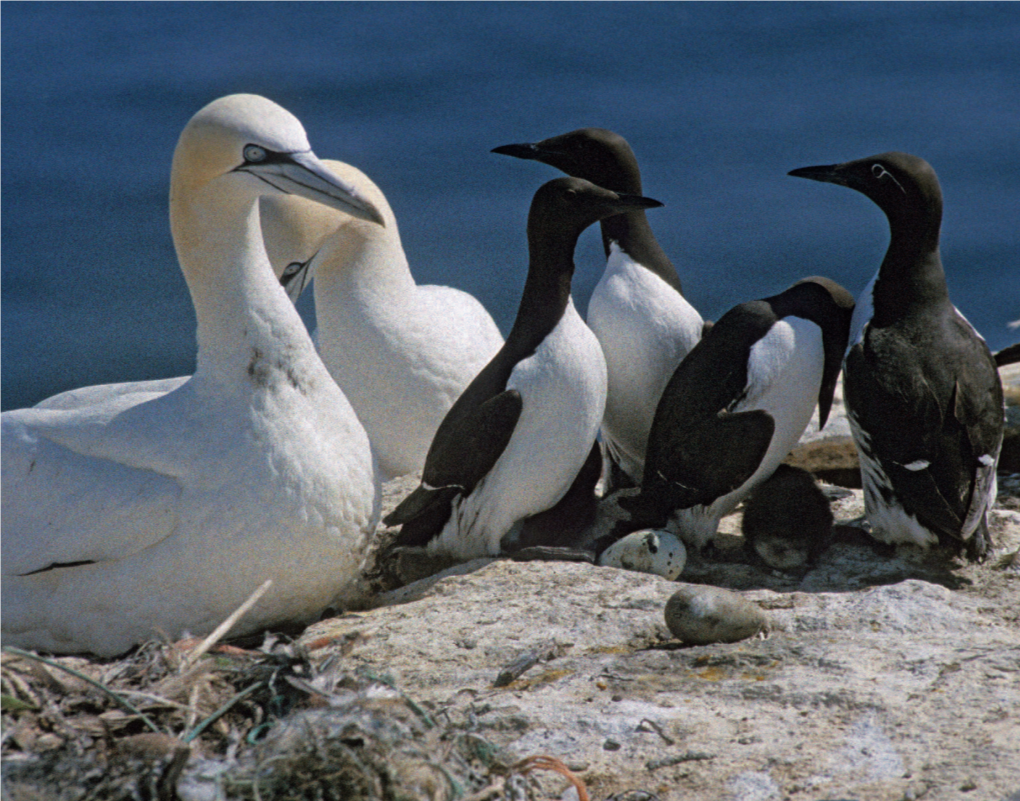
<point>700,615</point>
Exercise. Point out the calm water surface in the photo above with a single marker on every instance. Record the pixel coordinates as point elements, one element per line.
<point>719,101</point>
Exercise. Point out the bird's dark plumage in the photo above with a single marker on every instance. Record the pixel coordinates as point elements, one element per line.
<point>921,387</point>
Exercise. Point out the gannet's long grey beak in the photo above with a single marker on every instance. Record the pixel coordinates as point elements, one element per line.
<point>303,174</point>
<point>296,276</point>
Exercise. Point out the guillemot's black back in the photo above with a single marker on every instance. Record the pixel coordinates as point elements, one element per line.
<point>921,387</point>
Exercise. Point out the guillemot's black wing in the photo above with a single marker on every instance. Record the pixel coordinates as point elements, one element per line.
<point>699,446</point>
<point>932,428</point>
<point>466,446</point>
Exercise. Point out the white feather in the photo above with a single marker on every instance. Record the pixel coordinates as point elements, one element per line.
<point>645,328</point>
<point>563,389</point>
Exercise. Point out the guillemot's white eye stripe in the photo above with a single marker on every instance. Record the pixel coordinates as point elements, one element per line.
<point>881,172</point>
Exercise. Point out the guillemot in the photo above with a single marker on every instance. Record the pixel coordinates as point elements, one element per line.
<point>637,311</point>
<point>136,514</point>
<point>787,521</point>
<point>922,392</point>
<point>516,439</point>
<point>736,405</point>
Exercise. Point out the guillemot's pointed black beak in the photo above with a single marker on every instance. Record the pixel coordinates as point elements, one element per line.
<point>828,173</point>
<point>636,202</point>
<point>527,150</point>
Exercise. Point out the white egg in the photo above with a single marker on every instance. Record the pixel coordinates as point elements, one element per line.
<point>647,551</point>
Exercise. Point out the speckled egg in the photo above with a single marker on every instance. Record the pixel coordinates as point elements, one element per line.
<point>648,551</point>
<point>700,615</point>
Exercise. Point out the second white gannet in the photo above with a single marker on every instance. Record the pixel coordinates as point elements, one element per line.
<point>402,353</point>
<point>131,517</point>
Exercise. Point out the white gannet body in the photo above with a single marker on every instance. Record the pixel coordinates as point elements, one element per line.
<point>402,353</point>
<point>159,510</point>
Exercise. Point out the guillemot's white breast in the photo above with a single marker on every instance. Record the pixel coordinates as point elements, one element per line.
<point>645,327</point>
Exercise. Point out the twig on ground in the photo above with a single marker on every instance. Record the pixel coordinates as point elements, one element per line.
<point>201,727</point>
<point>222,629</point>
<point>529,764</point>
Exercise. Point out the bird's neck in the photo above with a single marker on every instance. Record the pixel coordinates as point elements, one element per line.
<point>246,324</point>
<point>633,234</point>
<point>911,277</point>
<point>362,260</point>
<point>546,291</point>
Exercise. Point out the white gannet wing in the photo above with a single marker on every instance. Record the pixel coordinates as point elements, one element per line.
<point>61,507</point>
<point>127,393</point>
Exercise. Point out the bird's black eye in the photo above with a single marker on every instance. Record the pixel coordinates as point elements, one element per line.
<point>878,170</point>
<point>291,269</point>
<point>253,154</point>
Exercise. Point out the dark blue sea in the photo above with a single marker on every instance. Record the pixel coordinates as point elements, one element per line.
<point>719,101</point>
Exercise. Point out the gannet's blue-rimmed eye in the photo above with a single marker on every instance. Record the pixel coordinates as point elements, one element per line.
<point>253,154</point>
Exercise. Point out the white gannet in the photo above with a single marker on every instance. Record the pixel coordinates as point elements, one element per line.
<point>642,320</point>
<point>133,516</point>
<point>521,433</point>
<point>402,353</point>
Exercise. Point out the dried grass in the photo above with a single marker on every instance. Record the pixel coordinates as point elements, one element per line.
<point>273,722</point>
